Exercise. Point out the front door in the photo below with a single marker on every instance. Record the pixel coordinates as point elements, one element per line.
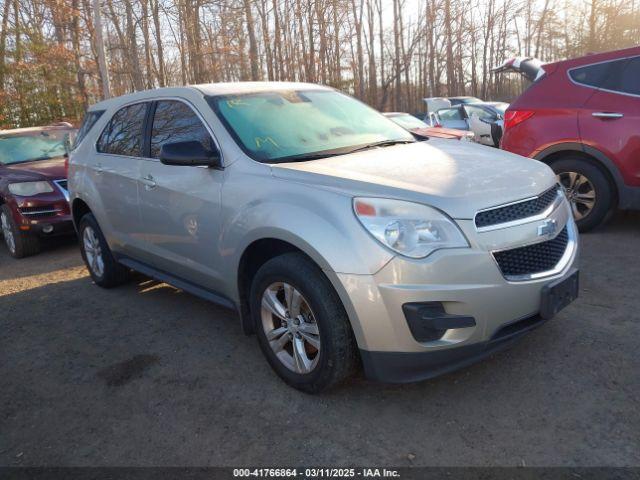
<point>180,205</point>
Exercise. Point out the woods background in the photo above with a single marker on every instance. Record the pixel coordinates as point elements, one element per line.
<point>389,53</point>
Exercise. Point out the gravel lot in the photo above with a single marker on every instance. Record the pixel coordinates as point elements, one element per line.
<point>148,375</point>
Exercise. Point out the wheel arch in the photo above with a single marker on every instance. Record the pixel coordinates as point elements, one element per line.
<point>79,208</point>
<point>589,154</point>
<point>261,250</point>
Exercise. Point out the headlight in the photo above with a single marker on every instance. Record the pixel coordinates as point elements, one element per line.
<point>26,189</point>
<point>411,229</point>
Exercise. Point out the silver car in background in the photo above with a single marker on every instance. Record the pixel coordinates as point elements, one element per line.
<point>339,239</point>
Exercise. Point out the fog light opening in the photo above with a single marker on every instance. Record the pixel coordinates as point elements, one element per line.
<point>47,229</point>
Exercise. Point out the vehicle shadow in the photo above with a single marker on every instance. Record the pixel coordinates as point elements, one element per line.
<point>57,253</point>
<point>123,370</point>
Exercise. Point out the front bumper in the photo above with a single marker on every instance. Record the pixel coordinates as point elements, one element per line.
<point>47,215</point>
<point>466,283</point>
<point>404,367</point>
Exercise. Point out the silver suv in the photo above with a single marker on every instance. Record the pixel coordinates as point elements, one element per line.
<point>339,238</point>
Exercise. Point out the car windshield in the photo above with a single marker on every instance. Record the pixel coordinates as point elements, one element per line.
<point>408,122</point>
<point>292,125</point>
<point>39,145</point>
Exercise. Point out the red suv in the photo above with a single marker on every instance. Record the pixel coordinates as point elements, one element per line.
<point>34,202</point>
<point>582,117</point>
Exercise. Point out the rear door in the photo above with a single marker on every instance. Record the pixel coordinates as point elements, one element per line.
<point>610,119</point>
<point>115,175</point>
<point>180,205</point>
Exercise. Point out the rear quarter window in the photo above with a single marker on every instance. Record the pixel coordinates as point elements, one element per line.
<point>600,75</point>
<point>88,122</point>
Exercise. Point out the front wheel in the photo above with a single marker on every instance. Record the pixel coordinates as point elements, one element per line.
<point>588,191</point>
<point>302,327</point>
<point>20,244</point>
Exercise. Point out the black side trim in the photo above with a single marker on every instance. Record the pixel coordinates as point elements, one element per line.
<point>405,367</point>
<point>428,321</point>
<point>177,282</point>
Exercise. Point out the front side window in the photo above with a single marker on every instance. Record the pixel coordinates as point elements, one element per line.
<point>123,133</point>
<point>280,125</point>
<point>601,75</point>
<point>33,146</point>
<point>174,121</point>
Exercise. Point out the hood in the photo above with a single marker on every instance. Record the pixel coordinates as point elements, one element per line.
<point>53,169</point>
<point>459,178</point>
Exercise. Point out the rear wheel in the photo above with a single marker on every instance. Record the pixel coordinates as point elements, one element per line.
<point>20,244</point>
<point>301,324</point>
<point>103,268</point>
<point>588,190</point>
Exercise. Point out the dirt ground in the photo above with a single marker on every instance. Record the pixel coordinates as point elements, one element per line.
<point>148,375</point>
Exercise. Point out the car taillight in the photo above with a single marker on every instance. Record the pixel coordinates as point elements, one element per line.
<point>514,117</point>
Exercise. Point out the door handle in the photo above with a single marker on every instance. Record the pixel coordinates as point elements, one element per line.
<point>612,115</point>
<point>98,168</point>
<point>148,182</point>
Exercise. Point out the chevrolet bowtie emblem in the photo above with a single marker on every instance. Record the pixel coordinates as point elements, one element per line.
<point>548,228</point>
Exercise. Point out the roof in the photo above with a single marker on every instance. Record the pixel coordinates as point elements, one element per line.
<point>45,128</point>
<point>253,87</point>
<point>230,88</point>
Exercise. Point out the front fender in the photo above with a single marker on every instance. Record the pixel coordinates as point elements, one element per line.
<point>322,225</point>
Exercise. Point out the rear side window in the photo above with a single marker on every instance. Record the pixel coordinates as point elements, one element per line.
<point>175,121</point>
<point>601,75</point>
<point>88,122</point>
<point>630,80</point>
<point>123,133</point>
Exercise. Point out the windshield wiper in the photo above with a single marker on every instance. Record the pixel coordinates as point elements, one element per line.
<point>320,155</point>
<point>307,156</point>
<point>383,143</point>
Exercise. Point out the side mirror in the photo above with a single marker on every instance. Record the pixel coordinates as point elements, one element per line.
<point>189,154</point>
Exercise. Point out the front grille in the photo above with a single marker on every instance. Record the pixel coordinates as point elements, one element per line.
<point>537,258</point>
<point>44,211</point>
<point>516,211</point>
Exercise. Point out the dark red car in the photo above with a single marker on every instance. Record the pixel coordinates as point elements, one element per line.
<point>34,201</point>
<point>582,117</point>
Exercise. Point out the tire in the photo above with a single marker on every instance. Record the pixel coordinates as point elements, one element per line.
<point>592,181</point>
<point>320,311</point>
<point>20,244</point>
<point>105,271</point>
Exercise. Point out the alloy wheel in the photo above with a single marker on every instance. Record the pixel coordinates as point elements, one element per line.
<point>7,232</point>
<point>93,251</point>
<point>290,327</point>
<point>579,191</point>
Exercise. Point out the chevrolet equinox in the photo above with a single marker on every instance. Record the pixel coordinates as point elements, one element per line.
<point>340,239</point>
